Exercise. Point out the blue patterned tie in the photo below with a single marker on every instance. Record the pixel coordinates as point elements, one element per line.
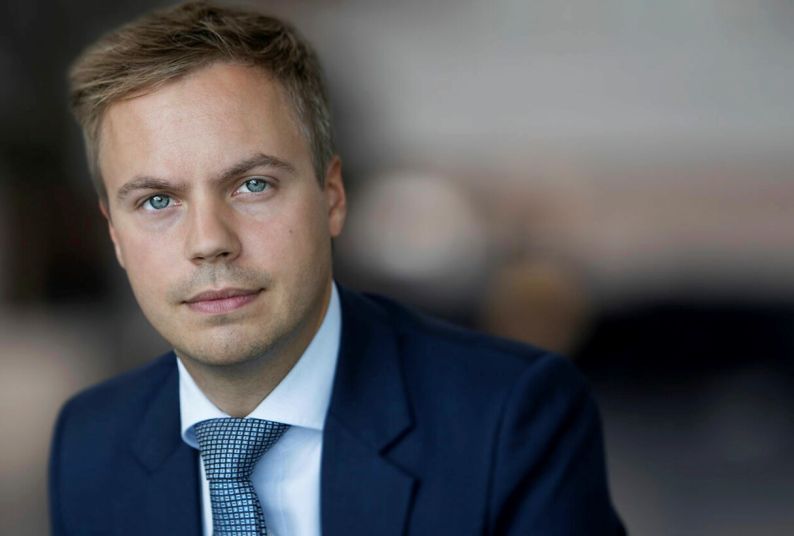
<point>230,448</point>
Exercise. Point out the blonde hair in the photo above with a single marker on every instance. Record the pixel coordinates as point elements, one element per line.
<point>165,45</point>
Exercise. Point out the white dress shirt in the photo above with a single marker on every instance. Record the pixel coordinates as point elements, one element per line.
<point>287,477</point>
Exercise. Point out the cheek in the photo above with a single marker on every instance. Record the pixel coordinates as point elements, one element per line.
<point>281,246</point>
<point>147,261</point>
<point>296,232</point>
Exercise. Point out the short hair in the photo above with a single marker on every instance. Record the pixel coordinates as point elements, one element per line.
<point>165,45</point>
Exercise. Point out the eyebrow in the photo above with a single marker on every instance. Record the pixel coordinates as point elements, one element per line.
<point>239,168</point>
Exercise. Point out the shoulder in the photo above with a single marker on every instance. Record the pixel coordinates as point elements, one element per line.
<point>445,364</point>
<point>538,450</point>
<point>535,463</point>
<point>96,434</point>
<point>116,402</point>
<point>430,343</point>
<point>97,427</point>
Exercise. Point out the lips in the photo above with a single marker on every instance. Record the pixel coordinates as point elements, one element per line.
<point>221,301</point>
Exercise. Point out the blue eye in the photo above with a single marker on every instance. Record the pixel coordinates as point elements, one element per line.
<point>157,202</point>
<point>256,185</point>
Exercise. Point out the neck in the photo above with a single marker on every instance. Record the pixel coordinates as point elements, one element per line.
<point>237,389</point>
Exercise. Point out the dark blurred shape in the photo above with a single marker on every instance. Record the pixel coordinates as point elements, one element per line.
<point>664,340</point>
<point>697,399</point>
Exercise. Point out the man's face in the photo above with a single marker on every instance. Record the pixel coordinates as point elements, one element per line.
<point>217,216</point>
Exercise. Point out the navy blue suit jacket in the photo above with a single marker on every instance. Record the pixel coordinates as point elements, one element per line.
<point>431,430</point>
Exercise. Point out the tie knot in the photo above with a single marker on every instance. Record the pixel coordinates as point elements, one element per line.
<point>230,447</point>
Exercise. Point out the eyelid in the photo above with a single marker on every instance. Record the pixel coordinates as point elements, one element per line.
<point>141,204</point>
<point>269,182</point>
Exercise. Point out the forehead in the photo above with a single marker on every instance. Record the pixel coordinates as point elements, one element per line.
<point>216,112</point>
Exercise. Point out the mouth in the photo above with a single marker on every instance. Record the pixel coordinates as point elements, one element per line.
<point>222,300</point>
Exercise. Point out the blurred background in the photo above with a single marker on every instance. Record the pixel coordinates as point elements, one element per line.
<point>611,180</point>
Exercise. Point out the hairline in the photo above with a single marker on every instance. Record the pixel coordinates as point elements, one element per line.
<point>92,133</point>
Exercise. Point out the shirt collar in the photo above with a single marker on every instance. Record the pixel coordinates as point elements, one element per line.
<point>300,399</point>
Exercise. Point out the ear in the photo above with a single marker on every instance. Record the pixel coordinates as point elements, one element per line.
<point>103,208</point>
<point>334,188</point>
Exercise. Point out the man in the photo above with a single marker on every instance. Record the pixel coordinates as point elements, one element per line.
<point>288,406</point>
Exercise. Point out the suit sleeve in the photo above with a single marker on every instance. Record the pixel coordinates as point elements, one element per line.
<point>549,474</point>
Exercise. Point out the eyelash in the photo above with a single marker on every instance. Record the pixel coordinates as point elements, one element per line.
<point>268,184</point>
<point>151,197</point>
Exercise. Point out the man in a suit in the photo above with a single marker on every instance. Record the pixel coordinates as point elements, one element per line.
<point>289,406</point>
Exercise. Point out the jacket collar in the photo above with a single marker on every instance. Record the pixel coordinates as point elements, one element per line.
<point>167,499</point>
<point>158,434</point>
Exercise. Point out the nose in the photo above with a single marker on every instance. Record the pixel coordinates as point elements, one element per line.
<point>211,236</point>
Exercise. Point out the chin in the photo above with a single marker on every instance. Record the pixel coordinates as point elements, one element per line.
<point>232,353</point>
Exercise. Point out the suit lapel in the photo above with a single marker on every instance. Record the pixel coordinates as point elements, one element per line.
<point>166,499</point>
<point>362,491</point>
